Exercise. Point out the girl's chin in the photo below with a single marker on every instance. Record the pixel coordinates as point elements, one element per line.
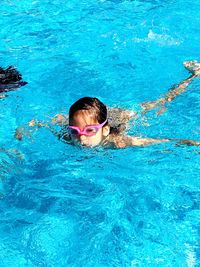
<point>84,144</point>
<point>88,145</point>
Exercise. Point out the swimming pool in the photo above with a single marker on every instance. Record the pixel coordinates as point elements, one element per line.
<point>66,206</point>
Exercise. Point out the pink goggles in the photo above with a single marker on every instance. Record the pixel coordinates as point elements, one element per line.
<point>89,130</point>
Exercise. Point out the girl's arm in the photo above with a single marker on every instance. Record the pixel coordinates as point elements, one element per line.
<point>35,125</point>
<point>32,126</point>
<point>128,141</point>
<point>124,116</point>
<point>194,68</point>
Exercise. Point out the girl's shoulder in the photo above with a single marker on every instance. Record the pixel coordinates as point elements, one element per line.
<point>117,141</point>
<point>119,118</point>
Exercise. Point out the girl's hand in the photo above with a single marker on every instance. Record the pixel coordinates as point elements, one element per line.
<point>189,142</point>
<point>28,129</point>
<point>60,119</point>
<point>193,66</point>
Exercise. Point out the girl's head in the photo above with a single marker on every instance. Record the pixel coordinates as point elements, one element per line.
<point>88,111</point>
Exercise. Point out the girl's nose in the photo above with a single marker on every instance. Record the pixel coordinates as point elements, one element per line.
<point>82,137</point>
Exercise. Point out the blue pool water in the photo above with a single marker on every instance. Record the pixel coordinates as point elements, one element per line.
<point>65,206</point>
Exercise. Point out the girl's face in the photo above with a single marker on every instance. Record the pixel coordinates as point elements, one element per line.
<point>82,119</point>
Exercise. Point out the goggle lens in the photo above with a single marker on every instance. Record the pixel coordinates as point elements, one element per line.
<point>91,131</point>
<point>73,131</point>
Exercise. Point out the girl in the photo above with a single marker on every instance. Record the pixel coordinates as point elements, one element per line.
<point>91,124</point>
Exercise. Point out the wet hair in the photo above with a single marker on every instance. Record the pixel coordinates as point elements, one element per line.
<point>91,104</point>
<point>10,79</point>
